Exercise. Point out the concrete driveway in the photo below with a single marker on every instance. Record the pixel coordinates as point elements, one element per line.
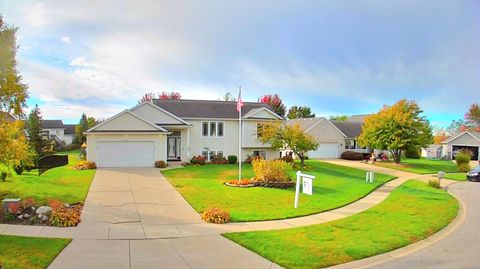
<point>134,218</point>
<point>459,249</point>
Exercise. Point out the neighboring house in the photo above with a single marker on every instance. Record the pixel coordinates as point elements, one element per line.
<point>432,151</point>
<point>55,129</point>
<point>334,137</point>
<point>177,130</point>
<point>463,140</point>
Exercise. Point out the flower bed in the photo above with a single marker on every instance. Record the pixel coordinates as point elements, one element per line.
<point>27,212</point>
<point>244,183</point>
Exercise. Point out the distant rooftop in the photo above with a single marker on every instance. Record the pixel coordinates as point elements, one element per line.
<point>51,124</point>
<point>358,118</point>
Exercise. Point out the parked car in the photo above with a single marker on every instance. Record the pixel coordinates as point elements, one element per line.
<point>474,175</point>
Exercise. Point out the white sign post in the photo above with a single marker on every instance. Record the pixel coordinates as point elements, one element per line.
<point>307,186</point>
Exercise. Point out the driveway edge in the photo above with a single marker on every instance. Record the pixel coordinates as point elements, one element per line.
<point>401,252</point>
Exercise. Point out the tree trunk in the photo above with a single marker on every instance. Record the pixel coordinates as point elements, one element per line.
<point>397,154</point>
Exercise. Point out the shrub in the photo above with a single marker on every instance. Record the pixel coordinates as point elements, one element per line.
<point>54,204</point>
<point>3,176</point>
<point>13,208</point>
<point>29,202</point>
<point>216,215</point>
<point>412,152</point>
<point>65,216</point>
<point>85,165</point>
<point>434,183</point>
<point>218,159</point>
<point>464,167</point>
<point>351,155</point>
<point>18,169</point>
<point>232,159</point>
<point>73,146</point>
<point>271,170</point>
<point>288,158</point>
<point>462,158</point>
<point>160,164</point>
<point>200,160</point>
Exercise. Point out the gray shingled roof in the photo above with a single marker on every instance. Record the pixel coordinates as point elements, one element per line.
<point>69,128</point>
<point>351,129</point>
<point>358,118</point>
<point>205,108</point>
<point>50,124</point>
<point>476,134</point>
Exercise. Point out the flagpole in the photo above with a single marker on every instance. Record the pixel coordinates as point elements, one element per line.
<point>240,136</point>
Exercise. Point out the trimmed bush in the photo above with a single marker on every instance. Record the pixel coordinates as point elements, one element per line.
<point>200,160</point>
<point>232,159</point>
<point>66,216</point>
<point>288,158</point>
<point>160,164</point>
<point>351,155</point>
<point>271,170</point>
<point>462,157</point>
<point>219,159</point>
<point>413,153</point>
<point>216,215</point>
<point>85,165</point>
<point>434,183</point>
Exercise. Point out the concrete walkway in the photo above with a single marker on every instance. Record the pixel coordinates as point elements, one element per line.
<point>133,218</point>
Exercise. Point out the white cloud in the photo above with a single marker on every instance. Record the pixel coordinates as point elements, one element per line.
<point>66,40</point>
<point>80,61</point>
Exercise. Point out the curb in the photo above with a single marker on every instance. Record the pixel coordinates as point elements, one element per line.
<point>404,251</point>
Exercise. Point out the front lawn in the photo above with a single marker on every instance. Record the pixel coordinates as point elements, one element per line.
<point>62,183</point>
<point>411,213</point>
<point>456,176</point>
<point>334,186</point>
<point>421,166</point>
<point>29,252</point>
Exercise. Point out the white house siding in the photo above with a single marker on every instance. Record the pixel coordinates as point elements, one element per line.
<point>228,144</point>
<point>59,132</point>
<point>125,122</point>
<point>68,138</point>
<point>325,132</point>
<point>159,140</point>
<point>154,115</point>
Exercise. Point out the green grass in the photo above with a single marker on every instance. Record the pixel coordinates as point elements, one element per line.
<point>62,183</point>
<point>456,176</point>
<point>334,186</point>
<point>421,166</point>
<point>412,212</point>
<point>28,252</point>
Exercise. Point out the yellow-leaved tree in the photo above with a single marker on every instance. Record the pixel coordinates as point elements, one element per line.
<point>396,128</point>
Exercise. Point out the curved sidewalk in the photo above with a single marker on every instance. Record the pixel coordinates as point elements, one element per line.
<point>370,200</point>
<point>130,211</point>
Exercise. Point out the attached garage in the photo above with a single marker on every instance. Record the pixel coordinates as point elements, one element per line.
<point>468,140</point>
<point>125,153</point>
<point>126,140</point>
<point>324,151</point>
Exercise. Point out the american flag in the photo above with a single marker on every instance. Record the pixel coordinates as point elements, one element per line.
<point>239,101</point>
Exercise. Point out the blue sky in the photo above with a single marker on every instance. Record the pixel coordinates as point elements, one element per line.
<point>338,57</point>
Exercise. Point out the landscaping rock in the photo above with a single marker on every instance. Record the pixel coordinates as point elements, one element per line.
<point>44,218</point>
<point>20,217</point>
<point>66,205</point>
<point>26,216</point>
<point>40,216</point>
<point>43,210</point>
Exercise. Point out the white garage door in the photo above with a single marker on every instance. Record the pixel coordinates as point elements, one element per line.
<point>125,154</point>
<point>324,151</point>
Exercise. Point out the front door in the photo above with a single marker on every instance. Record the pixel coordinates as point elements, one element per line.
<point>173,148</point>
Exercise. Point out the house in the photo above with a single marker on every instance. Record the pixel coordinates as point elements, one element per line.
<point>177,130</point>
<point>463,140</point>
<point>55,129</point>
<point>432,151</point>
<point>334,137</point>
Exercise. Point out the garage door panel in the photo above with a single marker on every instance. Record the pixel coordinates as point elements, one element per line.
<point>125,153</point>
<point>324,151</point>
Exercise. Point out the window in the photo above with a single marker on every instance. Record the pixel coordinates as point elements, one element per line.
<point>57,132</point>
<point>212,129</point>
<point>260,153</point>
<point>349,143</point>
<point>220,129</point>
<point>210,154</point>
<point>205,129</point>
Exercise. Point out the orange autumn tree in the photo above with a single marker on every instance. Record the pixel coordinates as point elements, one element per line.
<point>396,128</point>
<point>440,137</point>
